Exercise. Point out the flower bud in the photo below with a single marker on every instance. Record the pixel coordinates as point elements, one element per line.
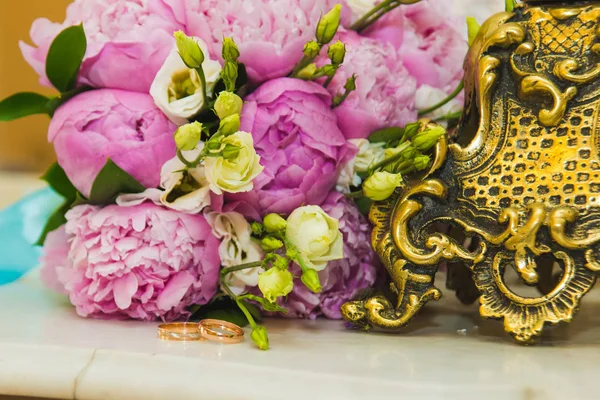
<point>307,72</point>
<point>274,223</point>
<point>509,5</point>
<point>230,50</point>
<point>260,337</point>
<point>230,152</point>
<point>381,185</point>
<point>257,228</point>
<point>311,280</point>
<point>473,29</point>
<point>350,84</point>
<point>228,104</point>
<point>411,130</point>
<point>280,262</point>
<point>187,136</point>
<point>421,162</point>
<point>189,50</point>
<point>428,138</point>
<point>328,25</point>
<point>337,52</point>
<point>230,75</point>
<point>230,125</point>
<point>275,283</point>
<point>271,244</point>
<point>311,50</point>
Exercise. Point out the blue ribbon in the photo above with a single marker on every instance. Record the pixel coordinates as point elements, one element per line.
<point>21,224</point>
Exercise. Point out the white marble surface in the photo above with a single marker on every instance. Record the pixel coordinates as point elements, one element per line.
<point>447,353</point>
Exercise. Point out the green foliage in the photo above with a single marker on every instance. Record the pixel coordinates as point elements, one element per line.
<point>65,56</point>
<point>22,105</point>
<point>111,182</point>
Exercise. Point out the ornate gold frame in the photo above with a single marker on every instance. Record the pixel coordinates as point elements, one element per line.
<point>525,184</point>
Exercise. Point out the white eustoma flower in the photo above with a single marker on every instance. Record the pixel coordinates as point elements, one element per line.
<point>234,175</point>
<point>177,90</point>
<point>237,247</point>
<point>368,155</point>
<point>360,7</point>
<point>192,198</point>
<point>315,235</point>
<point>428,96</point>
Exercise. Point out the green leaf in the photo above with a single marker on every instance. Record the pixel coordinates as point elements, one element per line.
<point>266,305</point>
<point>364,205</point>
<point>65,56</point>
<point>59,182</point>
<point>386,135</point>
<point>234,315</point>
<point>111,182</point>
<point>254,310</point>
<point>23,104</point>
<point>56,220</point>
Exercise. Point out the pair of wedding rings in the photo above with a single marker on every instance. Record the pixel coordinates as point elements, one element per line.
<point>208,329</point>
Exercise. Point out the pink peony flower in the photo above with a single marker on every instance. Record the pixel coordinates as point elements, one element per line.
<point>342,279</point>
<point>269,33</point>
<point>295,133</point>
<point>125,126</point>
<point>128,41</point>
<point>385,91</point>
<point>143,262</point>
<point>429,39</point>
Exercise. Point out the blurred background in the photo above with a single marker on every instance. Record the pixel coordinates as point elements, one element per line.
<point>23,144</point>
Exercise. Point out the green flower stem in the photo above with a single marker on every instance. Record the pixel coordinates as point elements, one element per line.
<point>442,103</point>
<point>228,270</point>
<point>303,63</point>
<point>328,81</point>
<point>298,258</point>
<point>391,159</point>
<point>339,102</point>
<point>377,12</point>
<point>249,316</point>
<point>204,90</point>
<point>355,195</point>
<point>61,99</point>
<point>184,160</point>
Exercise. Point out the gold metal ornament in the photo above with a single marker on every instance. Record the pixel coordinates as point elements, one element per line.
<point>523,180</point>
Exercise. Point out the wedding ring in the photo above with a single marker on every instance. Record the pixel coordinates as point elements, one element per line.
<point>221,331</point>
<point>180,331</point>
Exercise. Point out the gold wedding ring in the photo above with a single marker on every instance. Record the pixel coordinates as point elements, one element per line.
<point>180,331</point>
<point>221,331</point>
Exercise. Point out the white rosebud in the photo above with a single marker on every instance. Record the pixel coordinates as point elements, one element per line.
<point>177,89</point>
<point>315,235</point>
<point>237,247</point>
<point>381,185</point>
<point>234,175</point>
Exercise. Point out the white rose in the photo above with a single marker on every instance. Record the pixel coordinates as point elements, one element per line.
<point>427,96</point>
<point>368,155</point>
<point>234,175</point>
<point>360,7</point>
<point>237,247</point>
<point>177,90</point>
<point>316,236</point>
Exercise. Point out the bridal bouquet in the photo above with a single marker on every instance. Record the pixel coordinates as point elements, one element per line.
<point>217,157</point>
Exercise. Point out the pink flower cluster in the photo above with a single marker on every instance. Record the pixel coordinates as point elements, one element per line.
<point>148,262</point>
<point>142,262</point>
